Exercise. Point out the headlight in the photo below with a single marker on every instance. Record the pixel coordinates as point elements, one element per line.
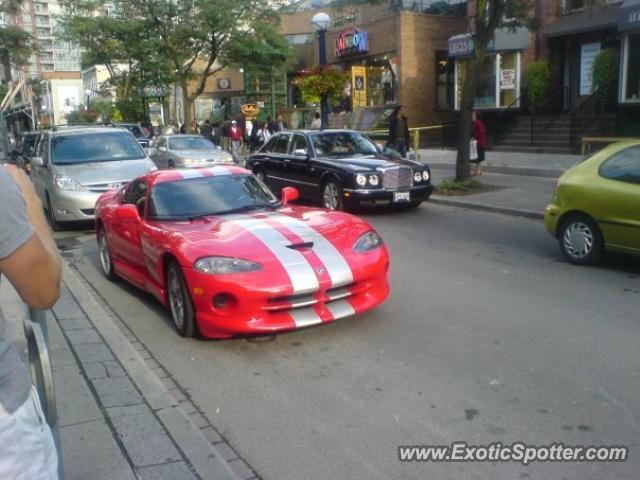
<point>222,265</point>
<point>361,180</point>
<point>190,161</point>
<point>367,242</point>
<point>153,168</point>
<point>425,175</point>
<point>374,180</point>
<point>417,177</point>
<point>67,183</point>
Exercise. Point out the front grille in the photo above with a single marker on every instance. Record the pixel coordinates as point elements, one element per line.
<point>397,177</point>
<point>104,187</point>
<point>291,302</point>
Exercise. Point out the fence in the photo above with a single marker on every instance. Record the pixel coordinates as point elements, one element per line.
<point>424,137</point>
<point>35,331</point>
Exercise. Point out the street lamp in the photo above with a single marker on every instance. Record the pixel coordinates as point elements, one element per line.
<point>87,95</point>
<point>321,22</point>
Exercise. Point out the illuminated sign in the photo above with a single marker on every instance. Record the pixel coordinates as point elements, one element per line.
<point>352,41</point>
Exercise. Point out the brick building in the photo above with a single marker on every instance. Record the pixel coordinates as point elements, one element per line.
<point>391,56</point>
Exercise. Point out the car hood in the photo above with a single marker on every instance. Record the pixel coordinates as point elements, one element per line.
<point>297,241</point>
<point>105,172</point>
<point>201,154</point>
<point>371,162</point>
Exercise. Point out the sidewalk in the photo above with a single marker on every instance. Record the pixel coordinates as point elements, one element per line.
<point>120,415</point>
<point>510,163</point>
<point>523,183</point>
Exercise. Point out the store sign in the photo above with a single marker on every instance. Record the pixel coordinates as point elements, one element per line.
<point>507,79</point>
<point>250,111</point>
<point>629,18</point>
<point>460,46</point>
<point>588,53</point>
<point>352,41</point>
<point>154,91</point>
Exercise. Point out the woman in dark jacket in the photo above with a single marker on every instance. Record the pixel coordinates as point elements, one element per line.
<point>399,138</point>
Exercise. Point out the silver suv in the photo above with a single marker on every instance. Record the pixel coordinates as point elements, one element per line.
<point>73,166</point>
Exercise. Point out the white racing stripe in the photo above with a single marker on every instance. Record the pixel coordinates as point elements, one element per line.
<point>340,309</point>
<point>218,170</point>
<point>186,174</point>
<point>336,265</point>
<point>305,317</point>
<point>303,278</point>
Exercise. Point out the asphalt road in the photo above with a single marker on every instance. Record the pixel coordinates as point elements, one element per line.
<point>488,336</point>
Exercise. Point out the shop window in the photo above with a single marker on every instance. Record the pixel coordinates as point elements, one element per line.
<point>508,78</point>
<point>632,68</point>
<point>445,80</point>
<point>486,86</point>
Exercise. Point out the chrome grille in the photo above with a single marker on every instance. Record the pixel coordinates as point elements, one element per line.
<point>104,187</point>
<point>397,177</point>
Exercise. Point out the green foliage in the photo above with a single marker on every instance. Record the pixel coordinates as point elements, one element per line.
<point>453,187</point>
<point>537,82</point>
<point>83,115</point>
<point>322,81</point>
<point>605,78</point>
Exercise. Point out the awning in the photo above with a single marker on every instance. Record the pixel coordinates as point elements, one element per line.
<point>588,20</point>
<point>504,40</point>
<point>629,18</point>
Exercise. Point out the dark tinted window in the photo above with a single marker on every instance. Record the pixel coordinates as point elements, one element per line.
<point>210,196</point>
<point>280,145</point>
<point>269,145</point>
<point>28,143</point>
<point>135,129</point>
<point>135,192</point>
<point>342,144</point>
<point>95,147</point>
<point>299,143</point>
<point>623,166</point>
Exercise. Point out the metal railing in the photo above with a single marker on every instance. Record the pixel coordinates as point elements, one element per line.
<point>418,134</point>
<point>36,334</point>
<point>582,118</point>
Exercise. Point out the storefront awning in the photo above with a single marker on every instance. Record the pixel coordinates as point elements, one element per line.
<point>629,18</point>
<point>588,20</point>
<point>504,40</point>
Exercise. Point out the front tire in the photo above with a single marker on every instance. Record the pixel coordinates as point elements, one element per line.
<point>180,304</point>
<point>332,195</point>
<point>106,261</point>
<point>580,240</point>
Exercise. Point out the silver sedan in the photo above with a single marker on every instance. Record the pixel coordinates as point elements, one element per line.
<point>179,151</point>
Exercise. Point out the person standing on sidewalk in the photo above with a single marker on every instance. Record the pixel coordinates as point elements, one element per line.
<point>29,260</point>
<point>399,138</point>
<point>479,133</point>
<point>235,137</point>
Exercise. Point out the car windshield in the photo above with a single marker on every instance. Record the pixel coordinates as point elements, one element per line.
<point>190,143</point>
<point>209,196</point>
<point>342,144</point>
<point>95,147</point>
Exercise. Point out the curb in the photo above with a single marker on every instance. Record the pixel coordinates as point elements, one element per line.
<point>205,459</point>
<point>506,170</point>
<point>515,212</point>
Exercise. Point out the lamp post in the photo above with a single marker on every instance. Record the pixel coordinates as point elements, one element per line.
<point>321,22</point>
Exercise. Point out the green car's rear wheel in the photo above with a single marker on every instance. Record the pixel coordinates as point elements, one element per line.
<point>580,240</point>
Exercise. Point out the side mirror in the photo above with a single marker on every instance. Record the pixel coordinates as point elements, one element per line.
<point>289,194</point>
<point>37,162</point>
<point>301,152</point>
<point>127,212</point>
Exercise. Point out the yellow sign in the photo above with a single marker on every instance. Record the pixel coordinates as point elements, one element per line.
<point>250,111</point>
<point>359,86</point>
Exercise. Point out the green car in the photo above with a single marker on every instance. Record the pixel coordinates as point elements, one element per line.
<point>596,205</point>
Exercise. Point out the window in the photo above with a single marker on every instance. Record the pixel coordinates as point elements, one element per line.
<point>280,144</point>
<point>623,166</point>
<point>444,81</point>
<point>299,143</point>
<point>98,147</point>
<point>498,81</point>
<point>486,87</point>
<point>631,68</point>
<point>136,191</point>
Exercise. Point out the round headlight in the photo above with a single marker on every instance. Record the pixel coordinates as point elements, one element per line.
<point>425,175</point>
<point>417,177</point>
<point>361,180</point>
<point>374,180</point>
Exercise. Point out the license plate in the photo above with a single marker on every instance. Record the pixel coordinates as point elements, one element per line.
<point>401,197</point>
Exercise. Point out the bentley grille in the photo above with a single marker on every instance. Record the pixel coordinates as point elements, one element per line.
<point>397,177</point>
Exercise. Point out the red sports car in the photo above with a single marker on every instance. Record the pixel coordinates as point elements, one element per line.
<point>228,258</point>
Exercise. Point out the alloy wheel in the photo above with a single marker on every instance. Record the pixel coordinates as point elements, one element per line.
<point>176,299</point>
<point>331,196</point>
<point>105,256</point>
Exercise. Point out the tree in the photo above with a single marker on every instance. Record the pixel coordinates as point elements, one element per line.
<point>605,78</point>
<point>16,44</point>
<point>536,83</point>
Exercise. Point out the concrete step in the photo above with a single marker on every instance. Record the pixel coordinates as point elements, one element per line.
<point>534,149</point>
